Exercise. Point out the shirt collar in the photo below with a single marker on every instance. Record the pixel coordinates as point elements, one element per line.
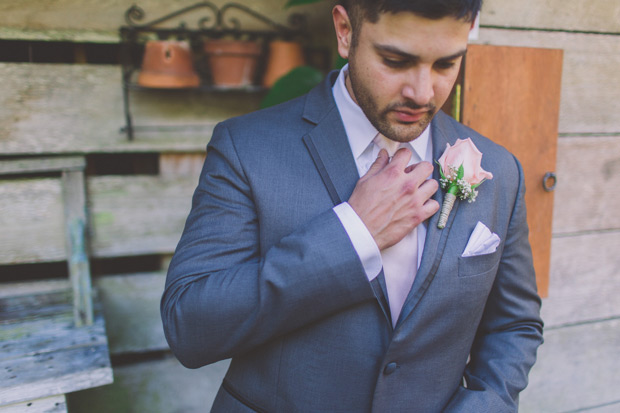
<point>360,132</point>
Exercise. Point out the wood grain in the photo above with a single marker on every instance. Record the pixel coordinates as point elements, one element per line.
<point>584,15</point>
<point>584,281</point>
<point>590,85</point>
<point>129,215</point>
<point>44,110</point>
<point>136,215</point>
<point>44,354</point>
<point>500,86</point>
<point>588,169</point>
<point>52,404</point>
<point>578,368</point>
<point>98,21</point>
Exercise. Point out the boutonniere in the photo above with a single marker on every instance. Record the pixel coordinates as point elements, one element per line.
<point>461,174</point>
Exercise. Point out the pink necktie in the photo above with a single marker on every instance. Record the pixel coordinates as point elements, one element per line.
<point>400,261</point>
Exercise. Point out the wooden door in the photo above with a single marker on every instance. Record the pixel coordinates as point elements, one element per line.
<point>512,96</point>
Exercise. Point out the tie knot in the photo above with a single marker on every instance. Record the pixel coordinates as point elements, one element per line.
<point>385,143</point>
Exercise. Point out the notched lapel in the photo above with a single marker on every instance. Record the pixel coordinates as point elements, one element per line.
<point>329,148</point>
<point>436,238</point>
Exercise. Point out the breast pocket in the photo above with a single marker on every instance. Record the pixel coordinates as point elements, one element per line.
<point>479,265</point>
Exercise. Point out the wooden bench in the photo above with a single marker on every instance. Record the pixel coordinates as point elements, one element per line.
<point>52,332</point>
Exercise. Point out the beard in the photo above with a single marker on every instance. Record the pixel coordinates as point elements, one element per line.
<point>380,117</point>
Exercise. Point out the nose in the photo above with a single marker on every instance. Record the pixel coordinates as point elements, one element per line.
<point>418,86</point>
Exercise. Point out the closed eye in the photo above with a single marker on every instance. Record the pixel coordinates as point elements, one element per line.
<point>445,64</point>
<point>395,63</point>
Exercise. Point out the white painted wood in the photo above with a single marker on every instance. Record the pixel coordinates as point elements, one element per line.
<point>590,85</point>
<point>584,15</point>
<point>584,282</point>
<point>52,404</point>
<point>154,386</point>
<point>588,170</point>
<point>131,308</point>
<point>578,368</point>
<point>613,407</point>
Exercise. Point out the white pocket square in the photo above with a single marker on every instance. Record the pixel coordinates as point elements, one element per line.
<point>481,241</point>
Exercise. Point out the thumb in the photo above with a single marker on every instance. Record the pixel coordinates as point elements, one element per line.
<point>379,163</point>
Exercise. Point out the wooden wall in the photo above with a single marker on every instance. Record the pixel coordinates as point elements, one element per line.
<point>59,109</point>
<point>578,367</point>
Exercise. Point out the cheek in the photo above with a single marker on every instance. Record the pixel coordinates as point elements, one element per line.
<point>443,87</point>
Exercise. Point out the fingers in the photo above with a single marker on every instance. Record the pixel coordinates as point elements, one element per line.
<point>379,163</point>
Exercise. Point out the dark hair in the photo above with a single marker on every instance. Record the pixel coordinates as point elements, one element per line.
<point>370,10</point>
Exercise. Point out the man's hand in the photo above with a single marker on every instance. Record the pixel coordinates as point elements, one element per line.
<point>392,198</point>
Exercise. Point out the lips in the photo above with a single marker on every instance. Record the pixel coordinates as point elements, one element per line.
<point>409,116</point>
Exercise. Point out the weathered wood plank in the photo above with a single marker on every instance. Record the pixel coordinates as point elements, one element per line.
<point>578,367</point>
<point>44,110</point>
<point>42,332</point>
<point>74,203</point>
<point>139,214</point>
<point>153,386</point>
<point>44,354</point>
<point>588,168</point>
<point>30,166</point>
<point>584,15</point>
<point>183,164</point>
<point>73,19</point>
<point>53,404</point>
<point>131,308</point>
<point>590,85</point>
<point>31,218</point>
<point>585,279</point>
<point>20,289</point>
<point>74,369</point>
<point>130,215</point>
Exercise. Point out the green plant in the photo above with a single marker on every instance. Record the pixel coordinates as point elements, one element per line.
<point>299,80</point>
<point>291,3</point>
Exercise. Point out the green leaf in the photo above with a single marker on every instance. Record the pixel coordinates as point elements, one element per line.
<point>441,175</point>
<point>295,83</point>
<point>461,172</point>
<point>474,186</point>
<point>292,3</point>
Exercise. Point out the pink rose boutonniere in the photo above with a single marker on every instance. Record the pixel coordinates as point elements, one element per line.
<point>461,174</point>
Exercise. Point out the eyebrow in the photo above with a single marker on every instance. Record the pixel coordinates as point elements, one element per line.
<point>396,51</point>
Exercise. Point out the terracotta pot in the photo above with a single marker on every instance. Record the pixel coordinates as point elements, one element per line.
<point>168,64</point>
<point>283,57</point>
<point>233,63</point>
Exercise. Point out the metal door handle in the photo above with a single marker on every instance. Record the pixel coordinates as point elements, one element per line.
<point>549,181</point>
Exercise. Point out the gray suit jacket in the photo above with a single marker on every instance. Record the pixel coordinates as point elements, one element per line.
<point>266,275</point>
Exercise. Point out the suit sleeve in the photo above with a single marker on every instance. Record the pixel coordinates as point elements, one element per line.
<point>510,331</point>
<point>224,295</point>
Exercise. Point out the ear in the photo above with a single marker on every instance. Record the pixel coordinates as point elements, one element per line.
<point>344,31</point>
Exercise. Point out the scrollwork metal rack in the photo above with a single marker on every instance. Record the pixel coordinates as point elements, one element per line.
<point>216,24</point>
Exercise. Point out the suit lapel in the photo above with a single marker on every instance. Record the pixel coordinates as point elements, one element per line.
<point>329,149</point>
<point>441,133</point>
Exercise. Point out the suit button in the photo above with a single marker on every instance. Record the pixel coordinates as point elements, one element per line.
<point>390,368</point>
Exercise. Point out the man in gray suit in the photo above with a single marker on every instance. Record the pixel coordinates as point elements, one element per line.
<point>335,293</point>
